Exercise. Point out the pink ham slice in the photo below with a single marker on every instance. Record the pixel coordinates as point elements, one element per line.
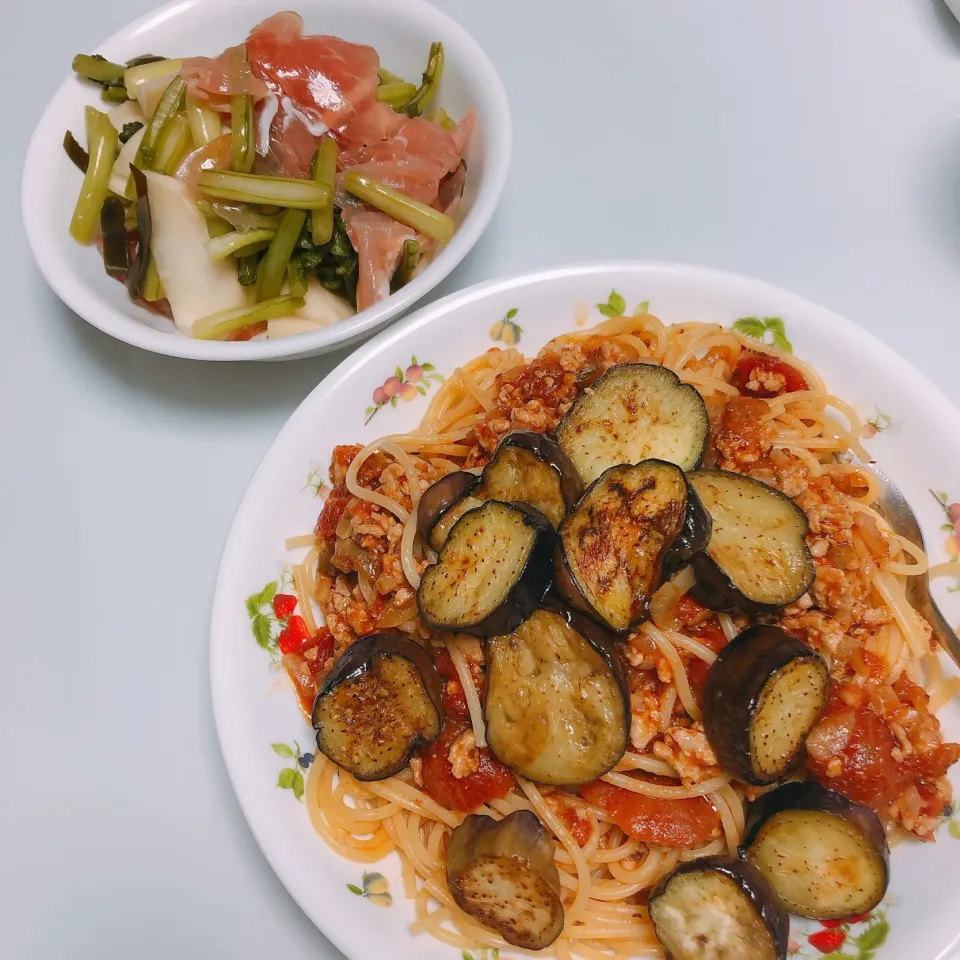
<point>214,80</point>
<point>325,78</point>
<point>378,240</point>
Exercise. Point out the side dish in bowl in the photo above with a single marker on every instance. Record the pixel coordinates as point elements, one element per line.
<point>291,180</point>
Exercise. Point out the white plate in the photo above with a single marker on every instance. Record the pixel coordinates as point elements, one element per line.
<point>254,705</point>
<point>401,31</point>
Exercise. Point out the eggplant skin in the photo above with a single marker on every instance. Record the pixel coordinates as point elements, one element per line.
<point>529,587</point>
<point>373,733</point>
<point>563,718</point>
<point>546,449</point>
<point>769,912</point>
<point>503,874</point>
<point>438,498</point>
<point>766,550</point>
<point>692,539</point>
<point>611,548</point>
<point>734,694</point>
<point>770,813</point>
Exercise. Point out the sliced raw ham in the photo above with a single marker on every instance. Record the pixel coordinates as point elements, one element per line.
<point>214,80</point>
<point>375,122</point>
<point>292,147</point>
<point>212,156</point>
<point>378,240</point>
<point>325,79</point>
<point>415,159</point>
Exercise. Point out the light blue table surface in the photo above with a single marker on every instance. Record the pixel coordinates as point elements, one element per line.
<point>814,145</point>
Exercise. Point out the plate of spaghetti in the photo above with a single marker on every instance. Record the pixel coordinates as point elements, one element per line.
<point>560,621</point>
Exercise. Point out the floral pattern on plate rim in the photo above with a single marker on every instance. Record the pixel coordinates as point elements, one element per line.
<point>291,778</point>
<point>506,331</point>
<point>403,385</point>
<point>374,887</point>
<point>856,938</point>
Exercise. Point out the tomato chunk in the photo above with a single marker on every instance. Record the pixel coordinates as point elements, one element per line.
<point>760,375</point>
<point>667,823</point>
<point>490,781</point>
<point>869,775</point>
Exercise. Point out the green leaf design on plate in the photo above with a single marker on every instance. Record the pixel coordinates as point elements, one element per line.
<point>285,780</point>
<point>268,593</point>
<point>642,308</point>
<point>282,750</point>
<point>253,604</point>
<point>758,329</point>
<point>297,784</point>
<point>261,631</point>
<point>750,327</point>
<point>873,937</point>
<point>511,313</point>
<point>954,829</point>
<point>353,888</point>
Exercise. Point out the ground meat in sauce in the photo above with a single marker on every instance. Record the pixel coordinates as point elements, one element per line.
<point>539,394</point>
<point>895,759</point>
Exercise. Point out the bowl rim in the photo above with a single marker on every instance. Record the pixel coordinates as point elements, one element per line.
<point>89,306</point>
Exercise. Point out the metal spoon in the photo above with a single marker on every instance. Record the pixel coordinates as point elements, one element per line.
<point>898,513</point>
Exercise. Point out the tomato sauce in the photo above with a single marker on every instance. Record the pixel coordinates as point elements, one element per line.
<point>760,375</point>
<point>490,781</point>
<point>683,823</point>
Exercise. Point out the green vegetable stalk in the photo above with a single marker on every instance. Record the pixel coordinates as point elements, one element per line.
<point>252,188</point>
<point>413,213</point>
<point>236,243</point>
<point>324,175</point>
<point>273,268</point>
<point>409,261</point>
<point>99,69</point>
<point>243,149</point>
<point>170,104</point>
<point>422,101</point>
<point>218,325</point>
<point>103,149</point>
<point>205,124</point>
<point>247,270</point>
<point>396,95</point>
<point>173,146</point>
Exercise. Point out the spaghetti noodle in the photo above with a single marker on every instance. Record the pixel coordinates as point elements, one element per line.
<point>857,615</point>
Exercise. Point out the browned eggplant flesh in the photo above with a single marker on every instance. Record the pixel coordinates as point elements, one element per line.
<point>717,908</point>
<point>382,699</point>
<point>634,412</point>
<point>502,873</point>
<point>557,705</point>
<point>824,856</point>
<point>757,559</point>
<point>492,572</point>
<point>612,547</point>
<point>763,696</point>
<point>526,468</point>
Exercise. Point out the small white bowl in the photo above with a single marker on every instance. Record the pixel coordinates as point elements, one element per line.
<point>401,31</point>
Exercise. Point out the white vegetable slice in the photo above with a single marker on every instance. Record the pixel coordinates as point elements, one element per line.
<point>322,309</point>
<point>120,177</point>
<point>195,286</point>
<point>127,112</point>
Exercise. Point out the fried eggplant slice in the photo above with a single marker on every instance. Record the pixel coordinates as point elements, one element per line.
<point>612,547</point>
<point>825,856</point>
<point>492,572</point>
<point>757,559</point>
<point>718,908</point>
<point>382,699</point>
<point>634,412</point>
<point>763,696</point>
<point>502,873</point>
<point>527,467</point>
<point>557,705</point>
